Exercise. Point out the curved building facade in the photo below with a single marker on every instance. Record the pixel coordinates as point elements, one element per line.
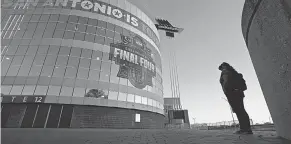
<point>79,63</point>
<point>266,26</point>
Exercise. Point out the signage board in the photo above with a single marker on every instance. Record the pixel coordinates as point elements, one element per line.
<point>22,99</point>
<point>135,60</point>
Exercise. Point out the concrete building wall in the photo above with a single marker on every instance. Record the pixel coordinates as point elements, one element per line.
<point>266,26</point>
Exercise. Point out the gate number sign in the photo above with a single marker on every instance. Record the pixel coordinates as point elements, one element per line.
<point>23,99</point>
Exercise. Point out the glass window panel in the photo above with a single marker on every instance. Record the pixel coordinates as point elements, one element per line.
<point>41,90</point>
<point>95,64</point>
<point>73,62</point>
<point>71,72</point>
<point>59,34</point>
<point>110,26</point>
<point>114,79</point>
<point>66,91</point>
<point>81,28</point>
<point>28,90</point>
<point>26,17</point>
<point>17,60</point>
<point>54,90</point>
<point>150,102</point>
<point>122,96</point>
<point>97,55</point>
<point>79,36</point>
<point>100,31</point>
<point>41,26</point>
<point>31,26</point>
<point>154,103</point>
<point>130,98</point>
<point>65,51</point>
<point>73,18</point>
<point>99,39</point>
<point>5,89</point>
<point>137,99</point>
<point>13,70</point>
<point>50,60</point>
<point>129,84</point>
<point>144,100</point>
<point>109,33</point>
<point>16,90</point>
<point>64,18</point>
<point>21,50</point>
<point>48,34</point>
<point>62,60</point>
<point>114,69</point>
<point>113,95</point>
<point>91,29</point>
<point>79,92</point>
<point>84,63</point>
<point>104,76</point>
<point>59,71</point>
<point>51,26</point>
<point>105,57</point>
<point>108,41</point>
<point>54,17</point>
<point>42,49</point>
<point>35,70</point>
<point>38,34</point>
<point>47,71</point>
<point>24,70</point>
<point>94,75</point>
<point>69,35</point>
<point>35,17</point>
<point>105,67</point>
<point>11,50</point>
<point>86,53</point>
<point>83,20</point>
<point>71,27</point>
<point>53,50</point>
<point>76,51</point>
<point>61,26</point>
<point>89,38</point>
<point>92,22</point>
<point>102,23</point>
<point>123,81</point>
<point>82,73</point>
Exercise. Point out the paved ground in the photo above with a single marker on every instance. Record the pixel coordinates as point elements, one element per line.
<point>110,136</point>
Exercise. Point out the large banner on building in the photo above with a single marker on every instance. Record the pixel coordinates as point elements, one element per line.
<point>135,60</point>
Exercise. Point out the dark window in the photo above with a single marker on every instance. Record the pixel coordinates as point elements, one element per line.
<point>5,114</point>
<point>73,18</point>
<point>66,116</point>
<point>54,116</point>
<point>83,20</point>
<point>44,17</point>
<point>54,17</point>
<point>102,23</point>
<point>41,116</point>
<point>29,116</point>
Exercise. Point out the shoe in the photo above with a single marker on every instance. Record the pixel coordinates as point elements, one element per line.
<point>243,132</point>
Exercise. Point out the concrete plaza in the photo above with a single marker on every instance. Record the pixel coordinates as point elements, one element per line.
<point>117,136</point>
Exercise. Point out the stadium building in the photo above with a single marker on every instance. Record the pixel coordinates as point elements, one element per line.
<point>79,64</point>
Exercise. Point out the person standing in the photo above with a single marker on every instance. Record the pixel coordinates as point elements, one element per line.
<point>233,86</point>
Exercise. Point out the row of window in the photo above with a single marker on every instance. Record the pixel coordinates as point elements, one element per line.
<point>76,92</point>
<point>71,67</point>
<point>61,58</point>
<point>63,26</point>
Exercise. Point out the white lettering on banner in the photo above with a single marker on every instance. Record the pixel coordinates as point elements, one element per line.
<point>63,2</point>
<point>13,98</point>
<point>133,58</point>
<point>38,99</point>
<point>24,99</point>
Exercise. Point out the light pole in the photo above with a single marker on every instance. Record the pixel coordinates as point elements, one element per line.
<point>230,110</point>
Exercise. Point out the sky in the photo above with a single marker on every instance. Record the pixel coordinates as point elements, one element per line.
<point>212,34</point>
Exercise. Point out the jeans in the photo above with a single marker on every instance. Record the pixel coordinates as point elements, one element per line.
<point>235,99</point>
